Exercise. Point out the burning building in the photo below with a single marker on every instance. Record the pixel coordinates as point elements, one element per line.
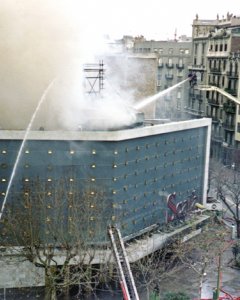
<point>126,174</point>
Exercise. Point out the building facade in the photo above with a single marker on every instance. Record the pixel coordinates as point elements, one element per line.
<point>215,60</point>
<point>121,177</point>
<point>173,59</point>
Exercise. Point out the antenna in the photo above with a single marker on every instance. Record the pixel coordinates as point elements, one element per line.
<point>175,35</point>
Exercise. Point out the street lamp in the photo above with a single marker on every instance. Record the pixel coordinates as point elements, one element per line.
<point>234,173</point>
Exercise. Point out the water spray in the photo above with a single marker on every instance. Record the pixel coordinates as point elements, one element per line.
<point>158,95</point>
<point>23,143</point>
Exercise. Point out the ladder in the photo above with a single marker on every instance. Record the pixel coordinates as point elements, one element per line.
<point>126,278</point>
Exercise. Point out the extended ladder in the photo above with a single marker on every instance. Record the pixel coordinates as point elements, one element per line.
<point>126,278</point>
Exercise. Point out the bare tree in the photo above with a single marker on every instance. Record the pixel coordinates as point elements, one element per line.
<point>54,225</point>
<point>150,270</point>
<point>198,254</point>
<point>226,181</point>
<point>202,252</point>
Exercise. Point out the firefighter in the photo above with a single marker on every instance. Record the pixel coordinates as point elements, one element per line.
<point>192,79</point>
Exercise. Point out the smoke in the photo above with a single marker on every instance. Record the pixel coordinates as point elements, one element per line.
<point>40,41</point>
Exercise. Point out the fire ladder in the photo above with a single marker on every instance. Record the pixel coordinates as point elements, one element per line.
<point>126,278</point>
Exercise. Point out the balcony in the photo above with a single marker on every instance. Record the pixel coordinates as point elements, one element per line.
<point>199,68</point>
<point>215,84</point>
<point>213,102</point>
<point>218,54</point>
<point>194,112</point>
<point>169,76</point>
<point>217,138</point>
<point>232,75</point>
<point>229,107</point>
<point>180,75</point>
<point>169,65</point>
<point>216,70</point>
<point>215,120</point>
<point>228,127</point>
<point>180,66</point>
<point>231,91</point>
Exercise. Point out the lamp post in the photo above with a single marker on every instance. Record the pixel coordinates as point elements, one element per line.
<point>234,173</point>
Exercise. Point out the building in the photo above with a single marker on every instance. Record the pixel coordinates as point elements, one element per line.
<point>215,60</point>
<point>173,59</point>
<point>74,184</point>
<point>150,67</point>
<point>133,170</point>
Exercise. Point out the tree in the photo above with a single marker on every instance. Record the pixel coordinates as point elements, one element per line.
<point>226,181</point>
<point>197,254</point>
<point>150,270</point>
<point>205,250</point>
<point>54,225</point>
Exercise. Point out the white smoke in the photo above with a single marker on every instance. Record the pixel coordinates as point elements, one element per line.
<point>41,40</point>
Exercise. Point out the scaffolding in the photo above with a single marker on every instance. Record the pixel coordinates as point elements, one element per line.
<point>94,77</point>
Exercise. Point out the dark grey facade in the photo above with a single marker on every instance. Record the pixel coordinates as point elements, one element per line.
<point>121,177</point>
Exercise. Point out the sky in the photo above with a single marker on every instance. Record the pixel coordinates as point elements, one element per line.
<point>156,19</point>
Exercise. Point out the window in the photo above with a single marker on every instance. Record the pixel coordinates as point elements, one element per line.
<point>160,62</point>
<point>196,49</point>
<point>224,64</point>
<point>170,50</point>
<point>180,62</point>
<point>180,73</point>
<point>159,79</point>
<point>223,81</point>
<point>170,62</point>
<point>221,114</point>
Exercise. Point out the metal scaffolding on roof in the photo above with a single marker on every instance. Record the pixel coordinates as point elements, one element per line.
<point>94,77</point>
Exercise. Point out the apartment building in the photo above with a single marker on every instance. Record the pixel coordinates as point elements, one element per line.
<point>215,60</point>
<point>172,67</point>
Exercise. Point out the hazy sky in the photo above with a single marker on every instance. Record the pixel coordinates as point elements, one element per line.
<point>155,19</point>
<point>158,19</point>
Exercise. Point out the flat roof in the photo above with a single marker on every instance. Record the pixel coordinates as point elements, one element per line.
<point>116,135</point>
